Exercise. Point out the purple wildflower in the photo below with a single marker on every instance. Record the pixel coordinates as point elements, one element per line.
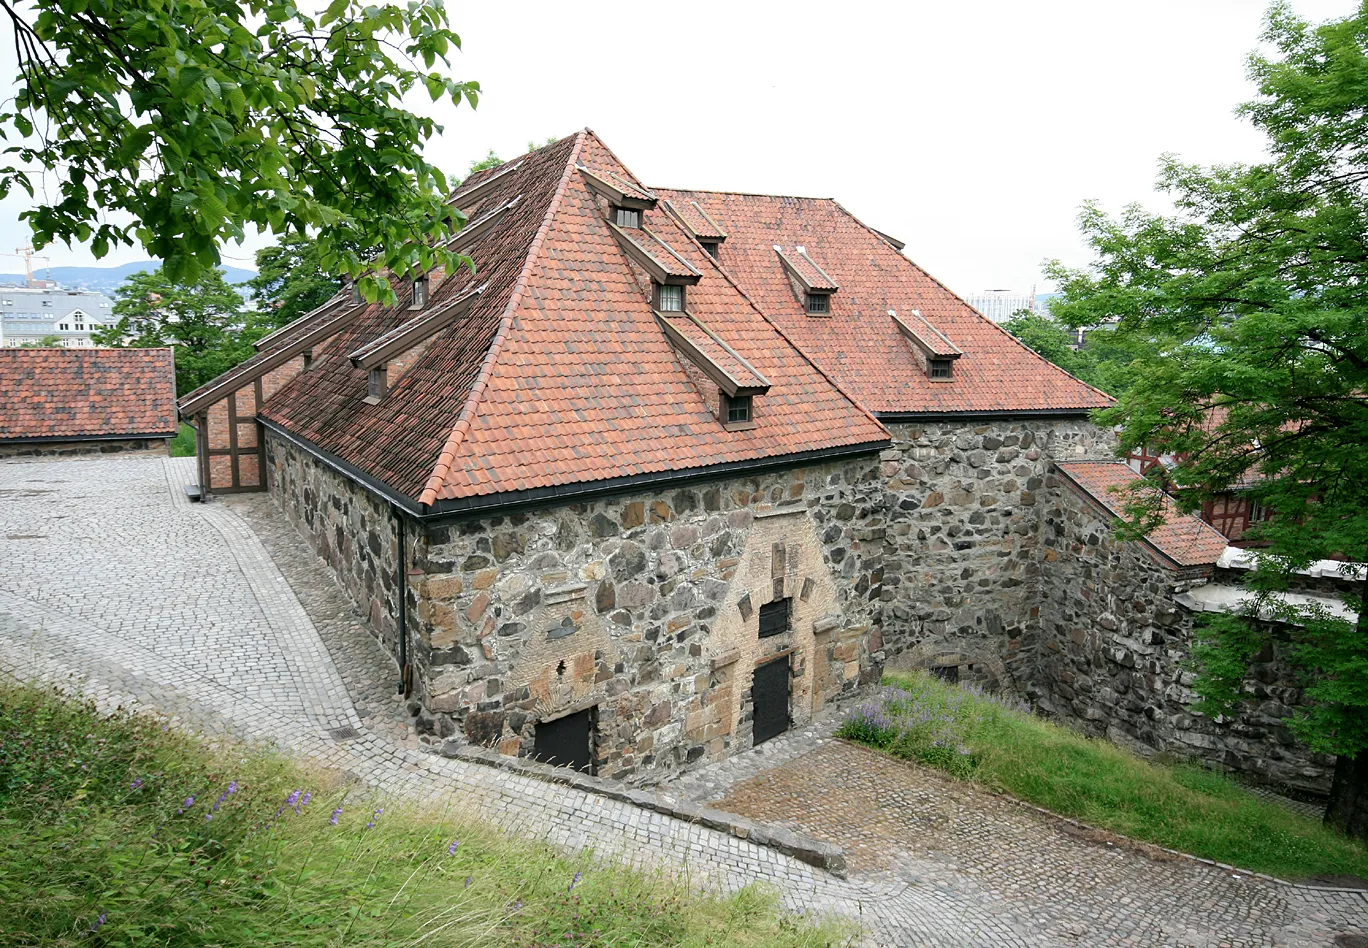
<point>574,882</point>
<point>232,786</point>
<point>376,817</point>
<point>136,784</point>
<point>98,923</point>
<point>455,845</point>
<point>189,802</point>
<point>336,814</point>
<point>469,879</point>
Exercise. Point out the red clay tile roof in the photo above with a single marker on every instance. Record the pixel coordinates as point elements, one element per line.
<point>74,394</point>
<point>560,374</point>
<point>712,349</point>
<point>857,344</point>
<point>1182,538</point>
<point>923,335</point>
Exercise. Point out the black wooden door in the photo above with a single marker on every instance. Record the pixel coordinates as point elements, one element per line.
<point>770,699</point>
<point>566,742</point>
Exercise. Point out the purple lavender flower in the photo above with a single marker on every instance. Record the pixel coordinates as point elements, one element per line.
<point>469,879</point>
<point>136,784</point>
<point>455,845</point>
<point>232,786</point>
<point>574,882</point>
<point>189,802</point>
<point>98,923</point>
<point>376,817</point>
<point>336,814</point>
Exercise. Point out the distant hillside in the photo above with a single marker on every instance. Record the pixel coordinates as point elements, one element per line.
<point>107,279</point>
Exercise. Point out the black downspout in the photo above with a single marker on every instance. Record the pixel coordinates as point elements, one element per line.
<point>401,576</point>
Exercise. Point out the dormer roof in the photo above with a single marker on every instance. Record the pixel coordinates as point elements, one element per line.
<point>617,189</point>
<point>719,361</point>
<point>696,221</point>
<point>656,257</point>
<point>812,277</point>
<point>930,340</point>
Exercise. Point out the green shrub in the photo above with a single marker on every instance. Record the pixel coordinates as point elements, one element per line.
<point>1001,745</point>
<point>183,444</point>
<point>117,831</point>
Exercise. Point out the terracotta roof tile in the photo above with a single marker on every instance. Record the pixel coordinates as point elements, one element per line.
<point>857,343</point>
<point>696,221</point>
<point>1183,538</point>
<point>87,393</point>
<point>806,269</point>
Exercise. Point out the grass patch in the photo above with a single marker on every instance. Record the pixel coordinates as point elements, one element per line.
<point>1001,745</point>
<point>117,831</point>
<point>183,444</point>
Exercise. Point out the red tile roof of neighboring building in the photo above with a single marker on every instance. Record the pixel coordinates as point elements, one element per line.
<point>1182,538</point>
<point>559,374</point>
<point>77,394</point>
<point>857,343</point>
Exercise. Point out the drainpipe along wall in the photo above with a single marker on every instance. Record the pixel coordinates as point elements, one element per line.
<point>405,686</point>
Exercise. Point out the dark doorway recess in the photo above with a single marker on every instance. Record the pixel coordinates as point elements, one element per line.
<point>567,741</point>
<point>770,699</point>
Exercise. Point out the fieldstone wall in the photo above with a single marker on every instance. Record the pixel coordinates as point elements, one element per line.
<point>961,581</point>
<point>55,449</point>
<point>645,607</point>
<point>1113,648</point>
<point>349,527</point>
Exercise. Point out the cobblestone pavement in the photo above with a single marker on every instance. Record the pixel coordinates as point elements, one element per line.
<point>113,582</point>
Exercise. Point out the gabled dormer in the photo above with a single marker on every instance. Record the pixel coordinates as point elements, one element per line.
<point>467,197</point>
<point>724,378</point>
<point>397,349</point>
<point>811,283</point>
<point>938,353</point>
<point>624,202</point>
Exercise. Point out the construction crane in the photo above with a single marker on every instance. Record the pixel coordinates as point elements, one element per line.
<point>27,253</point>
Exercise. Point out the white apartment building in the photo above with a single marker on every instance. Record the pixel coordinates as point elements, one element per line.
<point>30,314</point>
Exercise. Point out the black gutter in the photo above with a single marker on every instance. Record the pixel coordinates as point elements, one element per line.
<point>900,416</point>
<point>40,439</point>
<point>470,507</point>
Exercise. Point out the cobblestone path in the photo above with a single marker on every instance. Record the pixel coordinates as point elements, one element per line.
<point>113,582</point>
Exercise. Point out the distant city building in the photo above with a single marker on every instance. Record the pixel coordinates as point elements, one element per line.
<point>1002,305</point>
<point>30,314</point>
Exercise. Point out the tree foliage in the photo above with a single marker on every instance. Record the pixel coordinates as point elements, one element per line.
<point>1249,311</point>
<point>201,119</point>
<point>203,318</point>
<point>289,283</point>
<point>1105,360</point>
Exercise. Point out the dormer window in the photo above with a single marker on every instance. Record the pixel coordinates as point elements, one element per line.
<point>711,246</point>
<point>940,368</point>
<point>819,303</point>
<point>738,409</point>
<point>669,298</point>
<point>627,217</point>
<point>375,385</point>
<point>420,292</point>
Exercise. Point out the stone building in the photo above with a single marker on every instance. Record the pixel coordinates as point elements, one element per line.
<point>72,401</point>
<point>670,470</point>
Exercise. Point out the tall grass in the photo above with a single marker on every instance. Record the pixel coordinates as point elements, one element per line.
<point>116,831</point>
<point>183,444</point>
<point>1001,745</point>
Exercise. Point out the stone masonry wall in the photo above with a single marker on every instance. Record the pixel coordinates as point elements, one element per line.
<point>53,449</point>
<point>1113,649</point>
<point>349,527</point>
<point>645,607</point>
<point>962,572</point>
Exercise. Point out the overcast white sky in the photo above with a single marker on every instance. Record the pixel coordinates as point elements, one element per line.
<point>970,130</point>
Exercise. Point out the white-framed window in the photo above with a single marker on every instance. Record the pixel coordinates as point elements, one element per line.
<point>627,217</point>
<point>670,298</point>
<point>64,327</point>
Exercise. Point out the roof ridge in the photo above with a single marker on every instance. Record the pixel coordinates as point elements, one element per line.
<point>717,264</point>
<point>923,272</point>
<point>447,455</point>
<point>754,194</point>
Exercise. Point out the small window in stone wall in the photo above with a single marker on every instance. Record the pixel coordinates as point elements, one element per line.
<point>774,617</point>
<point>947,673</point>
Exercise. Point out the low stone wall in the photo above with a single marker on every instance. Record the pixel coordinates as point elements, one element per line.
<point>645,608</point>
<point>961,581</point>
<point>54,449</point>
<point>353,530</point>
<point>1114,646</point>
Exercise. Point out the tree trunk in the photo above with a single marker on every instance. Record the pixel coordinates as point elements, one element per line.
<point>1348,809</point>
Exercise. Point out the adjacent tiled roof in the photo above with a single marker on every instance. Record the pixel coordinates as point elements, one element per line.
<point>87,393</point>
<point>857,344</point>
<point>560,374</point>
<point>1182,538</point>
